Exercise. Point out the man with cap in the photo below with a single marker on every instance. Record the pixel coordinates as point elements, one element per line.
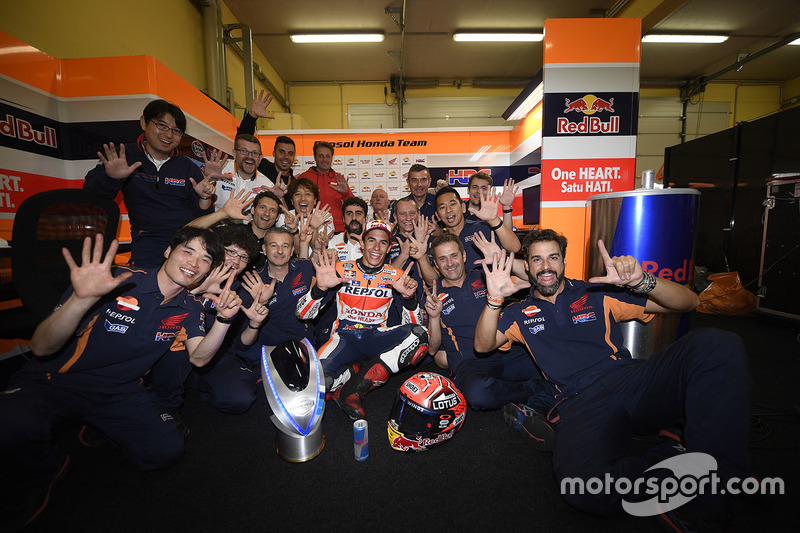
<point>365,289</point>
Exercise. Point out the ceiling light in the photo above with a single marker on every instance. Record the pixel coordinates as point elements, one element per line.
<point>796,42</point>
<point>337,37</point>
<point>697,39</point>
<point>499,37</point>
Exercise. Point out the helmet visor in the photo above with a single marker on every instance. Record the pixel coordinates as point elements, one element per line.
<point>411,419</point>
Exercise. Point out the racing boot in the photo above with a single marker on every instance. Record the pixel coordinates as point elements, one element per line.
<point>370,375</point>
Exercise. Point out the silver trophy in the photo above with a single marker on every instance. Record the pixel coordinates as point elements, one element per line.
<point>295,387</point>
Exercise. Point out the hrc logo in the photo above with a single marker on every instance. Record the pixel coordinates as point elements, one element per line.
<point>585,317</point>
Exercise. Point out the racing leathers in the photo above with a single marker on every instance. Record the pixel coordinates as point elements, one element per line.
<point>363,352</point>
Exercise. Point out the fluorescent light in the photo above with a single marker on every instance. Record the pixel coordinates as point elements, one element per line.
<point>337,37</point>
<point>697,39</point>
<point>796,42</point>
<point>499,37</point>
<point>529,103</point>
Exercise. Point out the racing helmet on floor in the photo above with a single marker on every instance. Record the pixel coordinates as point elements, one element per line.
<point>427,411</point>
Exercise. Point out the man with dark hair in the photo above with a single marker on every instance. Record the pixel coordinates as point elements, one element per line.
<point>348,243</point>
<point>162,190</point>
<point>450,211</point>
<point>495,379</point>
<point>572,330</point>
<point>112,324</point>
<point>333,187</point>
<point>242,172</point>
<point>480,186</point>
<point>280,171</point>
<point>419,180</point>
<point>173,372</point>
<point>362,352</point>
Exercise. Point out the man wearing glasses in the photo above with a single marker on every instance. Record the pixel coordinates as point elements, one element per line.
<point>242,172</point>
<point>162,189</point>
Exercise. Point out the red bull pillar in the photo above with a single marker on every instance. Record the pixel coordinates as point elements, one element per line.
<point>657,227</point>
<point>589,121</point>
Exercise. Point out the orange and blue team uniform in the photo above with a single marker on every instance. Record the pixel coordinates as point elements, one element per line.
<point>96,378</point>
<point>605,397</point>
<point>360,331</point>
<point>492,380</point>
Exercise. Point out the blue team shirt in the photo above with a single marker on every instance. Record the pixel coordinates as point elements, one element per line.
<point>577,339</point>
<point>282,324</point>
<point>122,336</point>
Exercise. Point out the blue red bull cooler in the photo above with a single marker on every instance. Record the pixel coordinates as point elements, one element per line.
<point>657,227</point>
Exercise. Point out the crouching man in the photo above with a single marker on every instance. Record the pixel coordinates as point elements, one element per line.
<point>112,324</point>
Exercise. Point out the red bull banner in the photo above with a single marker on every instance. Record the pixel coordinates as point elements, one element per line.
<point>589,120</point>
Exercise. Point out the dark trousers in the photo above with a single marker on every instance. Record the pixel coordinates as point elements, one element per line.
<point>32,408</point>
<point>503,377</point>
<point>703,377</point>
<point>227,382</point>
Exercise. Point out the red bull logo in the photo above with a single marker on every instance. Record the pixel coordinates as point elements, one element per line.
<point>588,104</point>
<point>682,274</point>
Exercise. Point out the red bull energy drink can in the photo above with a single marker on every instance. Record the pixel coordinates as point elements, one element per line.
<point>360,440</point>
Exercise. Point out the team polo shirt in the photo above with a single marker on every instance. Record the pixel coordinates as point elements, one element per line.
<point>281,323</point>
<point>578,338</point>
<point>467,235</point>
<point>122,336</point>
<point>428,207</point>
<point>461,308</point>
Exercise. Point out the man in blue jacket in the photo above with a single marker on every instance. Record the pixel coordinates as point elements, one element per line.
<point>162,189</point>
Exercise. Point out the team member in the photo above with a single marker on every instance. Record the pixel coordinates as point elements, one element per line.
<point>281,283</point>
<point>450,210</point>
<point>419,180</point>
<point>332,186</point>
<point>348,243</point>
<point>572,330</point>
<point>486,382</point>
<point>162,190</point>
<point>173,372</point>
<point>91,352</point>
<point>379,208</point>
<point>304,197</point>
<point>364,293</point>
<point>283,152</point>
<point>480,185</point>
<point>242,172</point>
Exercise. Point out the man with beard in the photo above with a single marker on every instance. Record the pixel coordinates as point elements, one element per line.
<point>332,186</point>
<point>571,328</point>
<point>283,152</point>
<point>364,292</point>
<point>242,172</point>
<point>348,243</point>
<point>486,382</point>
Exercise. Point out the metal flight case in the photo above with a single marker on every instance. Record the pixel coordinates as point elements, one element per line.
<point>779,270</point>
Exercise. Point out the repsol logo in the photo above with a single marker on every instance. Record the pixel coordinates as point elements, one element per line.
<point>367,291</point>
<point>120,316</point>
